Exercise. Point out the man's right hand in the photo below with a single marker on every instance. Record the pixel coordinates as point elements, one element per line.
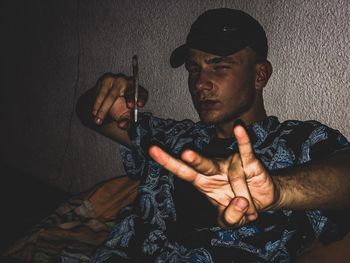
<point>115,99</point>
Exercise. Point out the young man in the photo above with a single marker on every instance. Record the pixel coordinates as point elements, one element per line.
<point>217,191</point>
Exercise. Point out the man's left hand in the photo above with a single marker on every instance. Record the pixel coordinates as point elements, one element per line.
<point>239,186</point>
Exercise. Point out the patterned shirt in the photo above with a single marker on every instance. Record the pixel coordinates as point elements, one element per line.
<point>170,221</point>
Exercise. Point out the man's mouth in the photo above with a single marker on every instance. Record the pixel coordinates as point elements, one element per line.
<point>208,104</point>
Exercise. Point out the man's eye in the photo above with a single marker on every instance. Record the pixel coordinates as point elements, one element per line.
<point>220,68</point>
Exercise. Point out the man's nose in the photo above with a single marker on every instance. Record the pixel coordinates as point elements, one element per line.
<point>203,82</point>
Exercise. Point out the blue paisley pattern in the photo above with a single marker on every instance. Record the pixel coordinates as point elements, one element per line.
<point>150,231</point>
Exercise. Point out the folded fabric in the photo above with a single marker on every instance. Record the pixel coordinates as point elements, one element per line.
<point>78,226</point>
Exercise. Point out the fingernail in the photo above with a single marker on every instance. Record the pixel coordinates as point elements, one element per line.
<point>252,217</point>
<point>240,204</point>
<point>98,121</point>
<point>239,122</point>
<point>94,112</point>
<point>124,124</point>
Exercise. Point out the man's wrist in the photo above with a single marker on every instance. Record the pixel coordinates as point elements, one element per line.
<point>277,202</point>
<point>289,193</point>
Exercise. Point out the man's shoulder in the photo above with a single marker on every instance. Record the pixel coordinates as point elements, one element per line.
<point>311,133</point>
<point>271,128</point>
<point>294,126</point>
<point>297,141</point>
<point>311,130</point>
<point>303,123</point>
<point>149,121</point>
<point>297,132</point>
<point>168,132</point>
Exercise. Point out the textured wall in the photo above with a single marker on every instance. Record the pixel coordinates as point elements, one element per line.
<point>56,50</point>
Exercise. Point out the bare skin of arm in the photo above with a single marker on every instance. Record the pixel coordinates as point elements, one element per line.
<point>240,186</point>
<point>107,108</point>
<point>320,185</point>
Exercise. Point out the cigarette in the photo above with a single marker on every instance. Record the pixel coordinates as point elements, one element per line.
<point>135,73</point>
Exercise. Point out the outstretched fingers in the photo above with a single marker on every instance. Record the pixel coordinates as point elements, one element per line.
<point>238,179</point>
<point>172,164</point>
<point>199,163</point>
<point>110,90</point>
<point>239,185</point>
<point>103,91</point>
<point>244,145</point>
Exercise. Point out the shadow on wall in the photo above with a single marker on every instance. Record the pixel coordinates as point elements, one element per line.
<point>55,50</point>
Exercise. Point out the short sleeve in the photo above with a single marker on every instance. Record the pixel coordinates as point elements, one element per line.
<point>322,143</point>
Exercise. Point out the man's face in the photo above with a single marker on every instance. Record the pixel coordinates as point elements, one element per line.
<point>222,88</point>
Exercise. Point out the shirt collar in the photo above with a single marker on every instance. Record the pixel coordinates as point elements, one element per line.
<point>222,148</point>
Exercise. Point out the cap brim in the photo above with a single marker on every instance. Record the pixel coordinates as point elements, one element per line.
<point>220,47</point>
<point>179,56</point>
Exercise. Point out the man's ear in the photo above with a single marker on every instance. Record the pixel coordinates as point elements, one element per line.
<point>263,73</point>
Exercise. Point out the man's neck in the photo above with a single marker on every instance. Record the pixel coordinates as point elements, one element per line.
<point>225,129</point>
<point>255,113</point>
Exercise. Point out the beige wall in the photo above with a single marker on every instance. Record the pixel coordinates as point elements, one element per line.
<point>58,49</point>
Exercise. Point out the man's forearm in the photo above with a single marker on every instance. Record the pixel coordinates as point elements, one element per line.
<point>320,185</point>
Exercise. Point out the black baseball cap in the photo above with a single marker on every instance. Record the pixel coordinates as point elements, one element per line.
<point>222,32</point>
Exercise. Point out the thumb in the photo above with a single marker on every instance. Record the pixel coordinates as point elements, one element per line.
<point>234,214</point>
